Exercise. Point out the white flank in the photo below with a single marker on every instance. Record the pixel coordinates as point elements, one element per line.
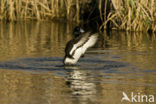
<point>69,61</point>
<point>80,51</point>
<point>86,43</point>
<point>92,40</point>
<point>84,38</point>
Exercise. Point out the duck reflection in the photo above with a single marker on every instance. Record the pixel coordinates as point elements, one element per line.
<point>79,82</point>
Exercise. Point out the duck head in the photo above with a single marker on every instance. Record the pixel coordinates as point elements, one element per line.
<point>78,31</point>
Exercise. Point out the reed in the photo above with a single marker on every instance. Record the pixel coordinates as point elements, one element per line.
<point>133,15</point>
<point>130,15</point>
<point>39,9</point>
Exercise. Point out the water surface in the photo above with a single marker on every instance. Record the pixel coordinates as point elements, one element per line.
<point>32,72</point>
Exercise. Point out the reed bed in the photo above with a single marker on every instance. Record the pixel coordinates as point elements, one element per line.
<point>130,15</point>
<point>133,15</point>
<point>40,9</point>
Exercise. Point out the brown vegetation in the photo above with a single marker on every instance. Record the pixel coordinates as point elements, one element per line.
<point>39,9</point>
<point>133,15</point>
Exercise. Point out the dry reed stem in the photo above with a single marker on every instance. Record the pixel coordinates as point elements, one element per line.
<point>134,15</point>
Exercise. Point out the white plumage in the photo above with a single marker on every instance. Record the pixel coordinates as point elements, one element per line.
<point>78,46</point>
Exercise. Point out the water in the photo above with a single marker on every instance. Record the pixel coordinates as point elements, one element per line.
<point>32,72</point>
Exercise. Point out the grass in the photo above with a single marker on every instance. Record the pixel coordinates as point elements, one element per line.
<point>130,15</point>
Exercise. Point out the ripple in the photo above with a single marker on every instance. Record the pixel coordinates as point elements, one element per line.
<point>46,63</point>
<point>55,63</point>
